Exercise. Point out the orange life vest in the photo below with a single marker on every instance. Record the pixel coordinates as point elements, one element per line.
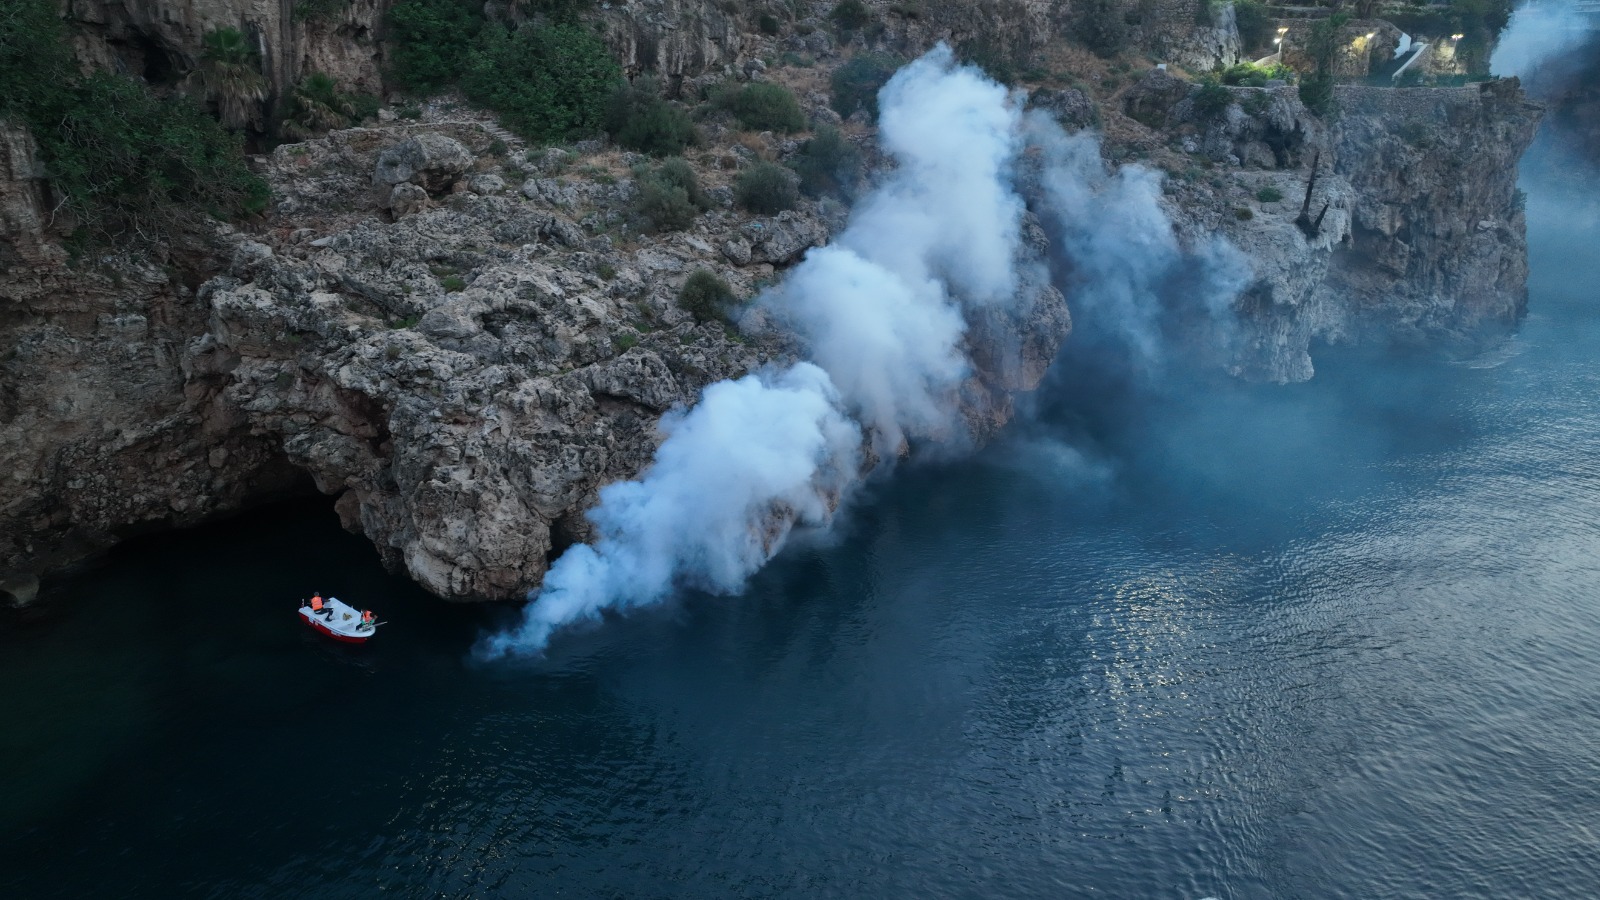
<point>316,604</point>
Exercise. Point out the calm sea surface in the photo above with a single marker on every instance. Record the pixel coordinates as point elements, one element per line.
<point>1333,640</point>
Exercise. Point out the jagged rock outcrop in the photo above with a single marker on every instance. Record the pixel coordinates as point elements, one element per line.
<point>1413,230</point>
<point>102,431</point>
<point>1438,248</point>
<point>467,377</point>
<point>161,40</point>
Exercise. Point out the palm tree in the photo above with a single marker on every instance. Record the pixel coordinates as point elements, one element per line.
<point>316,105</point>
<point>231,71</point>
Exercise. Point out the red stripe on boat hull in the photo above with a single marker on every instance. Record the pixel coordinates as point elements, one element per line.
<point>334,634</point>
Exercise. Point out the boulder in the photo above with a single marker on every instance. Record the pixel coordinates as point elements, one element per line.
<point>432,161</point>
<point>407,198</point>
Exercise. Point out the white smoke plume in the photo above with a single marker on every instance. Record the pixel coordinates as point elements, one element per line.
<point>875,308</point>
<point>875,312</point>
<point>879,313</point>
<point>1539,31</point>
<point>702,514</point>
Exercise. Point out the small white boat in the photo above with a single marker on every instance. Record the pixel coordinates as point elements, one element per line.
<point>340,621</point>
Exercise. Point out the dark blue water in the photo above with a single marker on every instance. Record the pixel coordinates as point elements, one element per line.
<point>1333,640</point>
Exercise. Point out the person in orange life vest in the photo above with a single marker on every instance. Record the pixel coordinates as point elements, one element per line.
<point>317,607</point>
<point>366,617</point>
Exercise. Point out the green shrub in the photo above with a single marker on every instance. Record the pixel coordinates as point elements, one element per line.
<point>1101,25</point>
<point>669,197</point>
<point>637,117</point>
<point>453,283</point>
<point>365,105</point>
<point>1248,74</point>
<point>675,170</point>
<point>147,166</point>
<point>548,82</point>
<point>760,106</point>
<point>664,207</point>
<point>1250,17</point>
<point>856,83</point>
<point>1269,195</point>
<point>126,163</point>
<point>1243,214</point>
<point>766,188</point>
<point>230,69</point>
<point>706,297</point>
<point>1212,98</point>
<point>850,15</point>
<point>1316,92</point>
<point>431,40</point>
<point>827,164</point>
<point>315,105</point>
<point>769,24</point>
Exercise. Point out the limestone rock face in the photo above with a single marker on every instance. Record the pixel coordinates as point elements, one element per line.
<point>1412,231</point>
<point>22,198</point>
<point>1438,246</point>
<point>468,377</point>
<point>161,40</point>
<point>104,432</point>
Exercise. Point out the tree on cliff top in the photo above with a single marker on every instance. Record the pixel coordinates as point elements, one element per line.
<point>122,161</point>
<point>230,67</point>
<point>548,82</point>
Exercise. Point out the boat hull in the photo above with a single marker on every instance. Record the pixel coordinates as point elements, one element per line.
<point>345,638</point>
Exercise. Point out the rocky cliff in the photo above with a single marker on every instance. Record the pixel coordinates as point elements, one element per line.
<point>1412,232</point>
<point>464,351</point>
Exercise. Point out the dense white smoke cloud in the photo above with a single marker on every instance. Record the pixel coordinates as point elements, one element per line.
<point>1539,31</point>
<point>702,514</point>
<point>763,453</point>
<point>875,307</point>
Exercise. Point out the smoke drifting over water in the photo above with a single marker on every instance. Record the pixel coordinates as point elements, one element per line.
<point>697,515</point>
<point>880,314</point>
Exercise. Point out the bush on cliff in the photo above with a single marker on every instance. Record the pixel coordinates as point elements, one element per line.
<point>1250,17</point>
<point>315,106</point>
<point>827,164</point>
<point>707,297</point>
<point>766,188</point>
<point>1247,74</point>
<point>430,41</point>
<point>850,15</point>
<point>548,82</point>
<point>669,196</point>
<point>1101,25</point>
<point>856,83</point>
<point>125,163</point>
<point>1212,98</point>
<point>760,106</point>
<point>639,118</point>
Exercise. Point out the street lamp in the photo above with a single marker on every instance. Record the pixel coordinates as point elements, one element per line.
<point>1457,37</point>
